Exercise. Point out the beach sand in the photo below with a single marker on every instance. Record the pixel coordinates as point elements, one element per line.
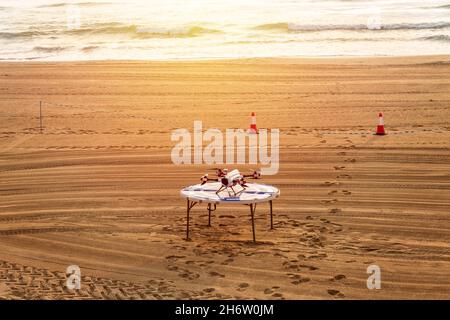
<point>97,187</point>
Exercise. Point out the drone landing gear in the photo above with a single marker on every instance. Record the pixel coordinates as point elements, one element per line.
<point>239,192</point>
<point>235,194</point>
<point>220,189</point>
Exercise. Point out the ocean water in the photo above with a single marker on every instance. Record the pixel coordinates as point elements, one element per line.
<point>211,29</point>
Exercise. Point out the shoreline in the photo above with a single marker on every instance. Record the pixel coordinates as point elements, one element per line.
<point>268,59</point>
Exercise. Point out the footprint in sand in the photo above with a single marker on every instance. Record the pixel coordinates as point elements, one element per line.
<point>318,256</point>
<point>243,286</point>
<point>335,210</point>
<point>346,192</point>
<point>174,258</point>
<point>268,291</point>
<point>274,292</point>
<point>312,268</point>
<point>296,224</point>
<point>335,293</point>
<point>298,279</point>
<point>297,282</point>
<point>338,277</point>
<point>329,201</point>
<point>350,160</point>
<point>177,247</point>
<point>188,275</point>
<point>228,261</point>
<point>216,274</point>
<point>277,254</point>
<point>339,167</point>
<point>332,192</point>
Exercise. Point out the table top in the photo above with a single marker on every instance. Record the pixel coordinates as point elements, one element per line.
<point>254,193</point>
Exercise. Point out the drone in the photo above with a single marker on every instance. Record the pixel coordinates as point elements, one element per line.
<point>231,179</point>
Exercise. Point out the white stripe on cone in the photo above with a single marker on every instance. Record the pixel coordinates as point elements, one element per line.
<point>253,128</point>
<point>381,119</point>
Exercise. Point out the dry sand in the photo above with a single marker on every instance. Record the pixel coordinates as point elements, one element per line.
<point>97,188</point>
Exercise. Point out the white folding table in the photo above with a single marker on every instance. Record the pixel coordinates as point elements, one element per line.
<point>253,194</point>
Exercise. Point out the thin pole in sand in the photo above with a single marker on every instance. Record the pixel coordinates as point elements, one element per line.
<point>40,114</point>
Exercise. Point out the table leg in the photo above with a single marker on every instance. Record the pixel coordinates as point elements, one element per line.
<point>209,214</point>
<point>210,209</point>
<point>252,213</point>
<point>271,215</point>
<point>190,204</point>
<point>187,219</point>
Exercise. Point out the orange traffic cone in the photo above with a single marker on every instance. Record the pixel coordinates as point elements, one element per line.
<point>380,127</point>
<point>253,128</point>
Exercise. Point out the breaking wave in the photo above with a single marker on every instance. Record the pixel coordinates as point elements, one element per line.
<point>49,49</point>
<point>292,27</point>
<point>132,31</point>
<point>21,34</point>
<point>140,32</point>
<point>441,37</point>
<point>79,4</point>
